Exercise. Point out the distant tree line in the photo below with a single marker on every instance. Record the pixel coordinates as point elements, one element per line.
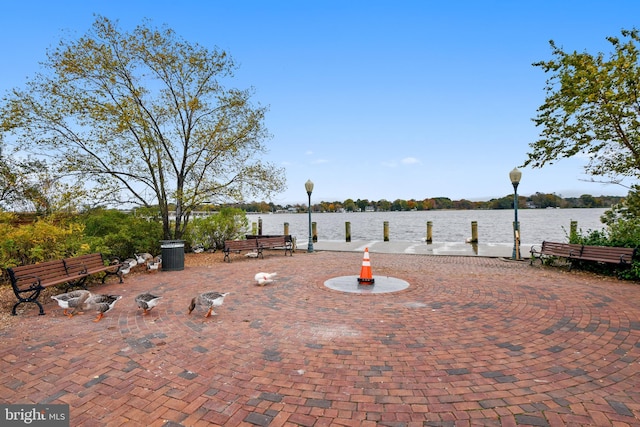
<point>535,201</point>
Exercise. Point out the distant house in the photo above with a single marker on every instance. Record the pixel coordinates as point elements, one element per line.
<point>369,209</point>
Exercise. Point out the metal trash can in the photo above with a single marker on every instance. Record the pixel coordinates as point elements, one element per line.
<point>172,255</point>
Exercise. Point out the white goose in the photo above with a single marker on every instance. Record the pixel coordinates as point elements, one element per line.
<point>265,278</point>
<point>131,261</point>
<point>155,263</point>
<point>143,258</point>
<point>124,268</point>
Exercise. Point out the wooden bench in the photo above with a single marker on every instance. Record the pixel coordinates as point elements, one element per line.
<point>554,249</point>
<point>239,245</point>
<point>90,264</point>
<point>607,254</point>
<point>28,281</point>
<point>258,243</point>
<point>275,242</point>
<point>576,252</point>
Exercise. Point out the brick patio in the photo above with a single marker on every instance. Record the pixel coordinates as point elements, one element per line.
<point>472,341</point>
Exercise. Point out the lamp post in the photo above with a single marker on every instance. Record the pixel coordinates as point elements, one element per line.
<point>515,176</point>
<point>309,187</point>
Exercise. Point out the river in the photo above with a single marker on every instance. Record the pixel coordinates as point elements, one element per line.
<point>494,226</point>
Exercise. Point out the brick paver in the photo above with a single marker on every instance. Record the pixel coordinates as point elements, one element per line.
<point>472,341</point>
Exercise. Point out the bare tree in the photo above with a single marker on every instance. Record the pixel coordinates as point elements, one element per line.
<point>144,118</point>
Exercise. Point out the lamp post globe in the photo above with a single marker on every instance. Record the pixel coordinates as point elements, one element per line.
<point>515,176</point>
<point>309,187</point>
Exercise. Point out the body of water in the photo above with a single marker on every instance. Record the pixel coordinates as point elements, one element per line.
<point>494,226</point>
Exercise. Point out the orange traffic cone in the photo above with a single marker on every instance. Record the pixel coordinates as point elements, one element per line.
<point>365,272</point>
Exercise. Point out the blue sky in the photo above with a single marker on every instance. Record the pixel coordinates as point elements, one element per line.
<point>371,99</point>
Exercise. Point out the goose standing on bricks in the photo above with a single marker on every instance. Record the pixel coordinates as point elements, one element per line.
<point>72,300</point>
<point>208,300</point>
<point>100,303</point>
<point>147,301</point>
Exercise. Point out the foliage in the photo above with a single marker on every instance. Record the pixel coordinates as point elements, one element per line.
<point>120,235</point>
<point>623,221</point>
<point>144,118</point>
<point>27,185</point>
<point>350,205</point>
<point>592,107</point>
<point>43,240</point>
<point>622,224</point>
<point>211,232</point>
<point>399,205</point>
<point>113,233</point>
<point>535,201</point>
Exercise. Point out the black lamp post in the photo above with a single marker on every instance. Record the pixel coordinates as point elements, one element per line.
<point>515,176</point>
<point>309,187</point>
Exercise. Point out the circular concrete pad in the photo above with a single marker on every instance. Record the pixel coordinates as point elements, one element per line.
<point>382,284</point>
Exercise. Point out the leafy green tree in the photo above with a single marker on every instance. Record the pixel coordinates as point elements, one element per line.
<point>588,201</point>
<point>463,204</point>
<point>545,200</point>
<point>362,204</point>
<point>443,203</point>
<point>502,203</point>
<point>350,205</point>
<point>428,204</point>
<point>592,107</point>
<point>384,205</point>
<point>145,118</point>
<point>399,205</point>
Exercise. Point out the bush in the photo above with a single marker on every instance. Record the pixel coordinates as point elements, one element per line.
<point>120,235</point>
<point>113,233</point>
<point>211,232</point>
<point>42,240</point>
<point>622,229</point>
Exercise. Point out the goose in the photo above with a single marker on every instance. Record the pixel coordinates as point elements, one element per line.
<point>265,278</point>
<point>71,299</point>
<point>131,261</point>
<point>208,300</point>
<point>124,268</point>
<point>147,301</point>
<point>100,303</point>
<point>155,263</point>
<point>143,258</point>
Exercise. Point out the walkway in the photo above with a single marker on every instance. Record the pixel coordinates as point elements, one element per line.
<point>472,341</point>
<point>420,248</point>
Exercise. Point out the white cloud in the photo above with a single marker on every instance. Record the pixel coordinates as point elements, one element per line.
<point>410,161</point>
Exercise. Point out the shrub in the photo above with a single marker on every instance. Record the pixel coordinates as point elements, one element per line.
<point>622,229</point>
<point>119,234</point>
<point>44,239</point>
<point>211,232</point>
